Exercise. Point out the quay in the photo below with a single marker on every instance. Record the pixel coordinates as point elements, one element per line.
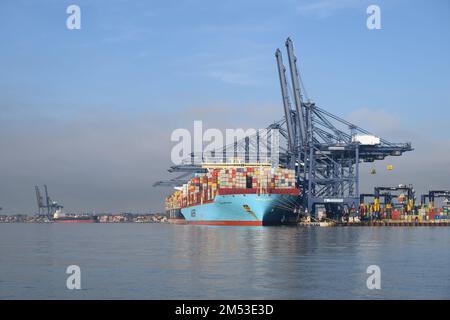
<point>387,223</point>
<point>398,223</point>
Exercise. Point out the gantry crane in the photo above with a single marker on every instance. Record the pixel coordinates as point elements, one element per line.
<point>410,197</point>
<point>324,149</point>
<point>47,207</point>
<point>433,194</point>
<point>326,157</point>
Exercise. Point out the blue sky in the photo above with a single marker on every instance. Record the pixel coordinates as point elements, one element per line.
<point>203,52</point>
<point>160,59</point>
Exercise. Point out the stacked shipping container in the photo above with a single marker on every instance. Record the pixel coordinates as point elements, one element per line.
<point>203,188</point>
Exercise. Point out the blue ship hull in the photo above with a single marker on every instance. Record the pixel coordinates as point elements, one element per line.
<point>243,209</point>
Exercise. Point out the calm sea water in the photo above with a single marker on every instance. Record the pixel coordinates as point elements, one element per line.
<point>159,261</point>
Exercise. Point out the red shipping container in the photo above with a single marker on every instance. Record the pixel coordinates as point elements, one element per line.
<point>395,215</point>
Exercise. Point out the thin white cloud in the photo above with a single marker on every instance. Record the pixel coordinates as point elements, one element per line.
<point>427,167</point>
<point>246,71</point>
<point>326,8</point>
<point>237,78</point>
<point>380,122</point>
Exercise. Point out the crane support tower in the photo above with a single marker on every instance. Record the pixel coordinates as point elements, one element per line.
<point>46,207</point>
<point>433,194</point>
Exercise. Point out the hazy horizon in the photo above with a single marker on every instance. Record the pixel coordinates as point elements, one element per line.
<point>89,112</point>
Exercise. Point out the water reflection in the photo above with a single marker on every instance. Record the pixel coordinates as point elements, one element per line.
<point>139,261</point>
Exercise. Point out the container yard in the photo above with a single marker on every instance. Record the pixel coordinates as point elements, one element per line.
<point>389,207</point>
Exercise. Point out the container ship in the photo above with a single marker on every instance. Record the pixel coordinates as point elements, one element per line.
<point>60,217</point>
<point>237,195</point>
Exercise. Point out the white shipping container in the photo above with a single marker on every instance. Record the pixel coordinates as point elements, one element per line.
<point>367,140</point>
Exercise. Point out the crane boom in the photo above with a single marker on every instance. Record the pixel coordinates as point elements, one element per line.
<point>38,197</point>
<point>286,102</point>
<point>296,91</point>
<point>47,200</point>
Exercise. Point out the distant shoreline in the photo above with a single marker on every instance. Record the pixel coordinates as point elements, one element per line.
<point>101,218</point>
